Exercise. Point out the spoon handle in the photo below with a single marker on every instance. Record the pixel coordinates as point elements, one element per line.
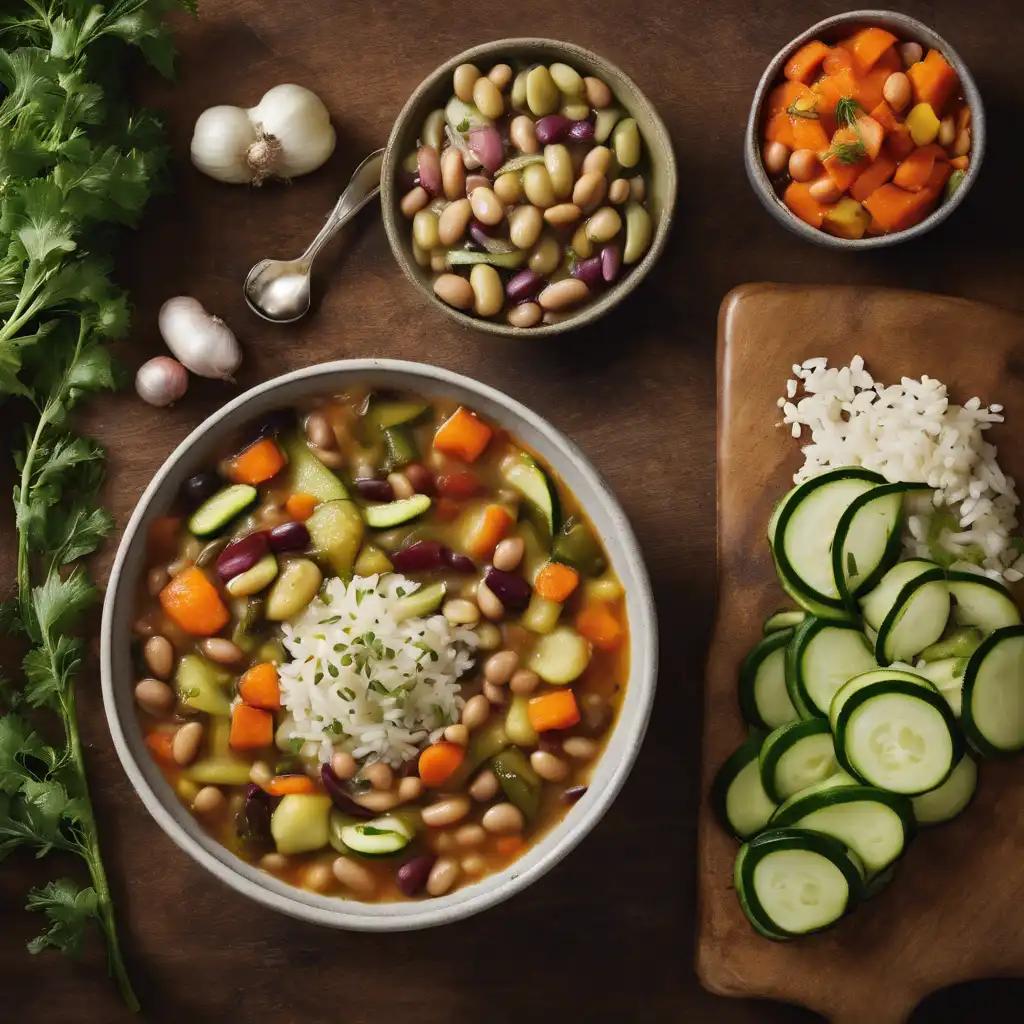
<point>363,187</point>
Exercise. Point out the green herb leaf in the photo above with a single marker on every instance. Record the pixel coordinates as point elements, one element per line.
<point>847,112</point>
<point>848,152</point>
<point>68,909</point>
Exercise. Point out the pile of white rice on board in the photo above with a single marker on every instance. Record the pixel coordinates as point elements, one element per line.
<point>912,432</point>
<point>364,682</point>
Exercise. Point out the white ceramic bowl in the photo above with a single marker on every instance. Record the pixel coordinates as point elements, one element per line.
<point>194,453</point>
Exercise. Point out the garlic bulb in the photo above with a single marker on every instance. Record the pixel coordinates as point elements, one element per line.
<point>286,134</point>
<point>161,381</point>
<point>203,343</point>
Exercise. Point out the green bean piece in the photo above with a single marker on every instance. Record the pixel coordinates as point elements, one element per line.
<point>577,546</point>
<point>519,781</point>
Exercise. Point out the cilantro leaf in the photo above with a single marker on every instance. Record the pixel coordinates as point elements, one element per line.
<point>68,909</point>
<point>18,743</point>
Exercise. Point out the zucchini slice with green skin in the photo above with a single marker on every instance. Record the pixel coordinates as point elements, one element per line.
<point>336,529</point>
<point>795,756</point>
<point>793,882</point>
<point>957,643</point>
<point>420,603</point>
<point>784,618</point>
<point>981,602</point>
<point>804,526</point>
<point>876,605</point>
<point>380,837</point>
<point>217,511</point>
<point>529,478</point>
<point>394,513</point>
<point>947,675</point>
<point>993,694</point>
<point>878,826</point>
<point>737,794</point>
<point>764,700</point>
<point>308,475</point>
<point>952,797</point>
<point>895,733</point>
<point>821,657</point>
<point>916,620</point>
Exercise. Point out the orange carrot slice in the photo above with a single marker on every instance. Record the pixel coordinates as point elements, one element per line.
<point>463,434</point>
<point>251,728</point>
<point>439,762</point>
<point>192,601</point>
<point>599,625</point>
<point>261,687</point>
<point>554,710</point>
<point>556,582</point>
<point>258,463</point>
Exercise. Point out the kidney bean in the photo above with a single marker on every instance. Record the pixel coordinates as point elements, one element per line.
<point>611,262</point>
<point>571,795</point>
<point>289,537</point>
<point>523,285</point>
<point>241,555</point>
<point>375,490</point>
<point>458,485</point>
<point>420,477</point>
<point>429,166</point>
<point>196,489</point>
<point>457,562</point>
<point>412,876</point>
<point>548,743</point>
<point>486,145</point>
<point>588,271</point>
<point>581,130</point>
<point>552,128</point>
<point>418,557</point>
<point>255,823</point>
<point>338,793</point>
<point>511,590</point>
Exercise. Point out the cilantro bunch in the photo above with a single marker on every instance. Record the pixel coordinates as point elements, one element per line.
<point>75,163</point>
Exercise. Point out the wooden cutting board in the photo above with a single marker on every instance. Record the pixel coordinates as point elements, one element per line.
<point>954,910</point>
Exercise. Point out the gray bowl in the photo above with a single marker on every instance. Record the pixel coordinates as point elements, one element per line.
<point>118,673</point>
<point>909,30</point>
<point>434,91</point>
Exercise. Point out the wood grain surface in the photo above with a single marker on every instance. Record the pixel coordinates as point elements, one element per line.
<point>944,917</point>
<point>609,935</point>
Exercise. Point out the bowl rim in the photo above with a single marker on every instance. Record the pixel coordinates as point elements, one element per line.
<point>592,311</point>
<point>918,31</point>
<point>553,845</point>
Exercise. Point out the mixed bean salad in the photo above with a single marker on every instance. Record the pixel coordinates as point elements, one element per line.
<point>532,183</point>
<point>380,647</point>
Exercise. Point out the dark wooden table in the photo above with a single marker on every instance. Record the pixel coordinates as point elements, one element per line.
<point>608,936</point>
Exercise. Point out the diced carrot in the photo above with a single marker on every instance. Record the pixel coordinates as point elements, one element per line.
<point>874,228</point>
<point>494,522</point>
<point>960,163</point>
<point>868,45</point>
<point>162,538</point>
<point>506,846</point>
<point>844,174</point>
<point>783,96</point>
<point>300,506</point>
<point>554,710</point>
<point>804,64</point>
<point>599,625</point>
<point>832,88</point>
<point>261,687</point>
<point>192,601</point>
<point>900,143</point>
<point>284,785</point>
<point>885,116</point>
<point>556,582</point>
<point>875,176</point>
<point>869,90</point>
<point>800,202</point>
<point>161,743</point>
<point>890,61</point>
<point>463,434</point>
<point>258,463</point>
<point>809,134</point>
<point>458,485</point>
<point>779,128</point>
<point>839,59</point>
<point>439,762</point>
<point>251,728</point>
<point>932,80</point>
<point>896,209</point>
<point>915,172</point>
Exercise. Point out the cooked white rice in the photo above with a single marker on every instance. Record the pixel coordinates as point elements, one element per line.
<point>363,682</point>
<point>912,432</point>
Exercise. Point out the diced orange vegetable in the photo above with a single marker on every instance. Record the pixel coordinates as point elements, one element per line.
<point>554,710</point>
<point>874,228</point>
<point>844,174</point>
<point>875,176</point>
<point>868,45</point>
<point>779,128</point>
<point>556,582</point>
<point>162,538</point>
<point>439,762</point>
<point>960,163</point>
<point>192,601</point>
<point>809,134</point>
<point>599,625</point>
<point>161,743</point>
<point>896,209</point>
<point>870,88</point>
<point>300,506</point>
<point>801,203</point>
<point>885,116</point>
<point>915,172</point>
<point>839,59</point>
<point>783,96</point>
<point>463,434</point>
<point>833,88</point>
<point>258,463</point>
<point>900,143</point>
<point>506,846</point>
<point>804,64</point>
<point>261,687</point>
<point>871,135</point>
<point>933,81</point>
<point>889,61</point>
<point>494,522</point>
<point>251,728</point>
<point>284,785</point>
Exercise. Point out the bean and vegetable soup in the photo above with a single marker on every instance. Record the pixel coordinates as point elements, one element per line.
<point>381,646</point>
<point>533,184</point>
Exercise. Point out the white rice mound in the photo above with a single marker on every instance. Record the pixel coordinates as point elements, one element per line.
<point>911,432</point>
<point>363,682</point>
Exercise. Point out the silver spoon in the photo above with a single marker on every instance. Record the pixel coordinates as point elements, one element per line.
<point>278,290</point>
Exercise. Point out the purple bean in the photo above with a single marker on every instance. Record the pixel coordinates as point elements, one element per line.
<point>420,477</point>
<point>523,285</point>
<point>552,128</point>
<point>549,743</point>
<point>339,795</point>
<point>241,555</point>
<point>485,144</point>
<point>511,590</point>
<point>581,130</point>
<point>373,489</point>
<point>588,271</point>
<point>429,165</point>
<point>412,876</point>
<point>476,181</point>
<point>256,813</point>
<point>289,537</point>
<point>196,489</point>
<point>418,557</point>
<point>457,562</point>
<point>571,795</point>
<point>611,262</point>
<point>277,422</point>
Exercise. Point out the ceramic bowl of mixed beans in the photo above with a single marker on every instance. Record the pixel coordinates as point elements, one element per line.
<point>378,648</point>
<point>528,186</point>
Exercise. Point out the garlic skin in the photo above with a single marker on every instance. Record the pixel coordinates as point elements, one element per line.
<point>161,381</point>
<point>287,134</point>
<point>203,343</point>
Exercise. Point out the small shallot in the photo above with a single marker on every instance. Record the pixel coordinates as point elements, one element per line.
<point>161,381</point>
<point>203,343</point>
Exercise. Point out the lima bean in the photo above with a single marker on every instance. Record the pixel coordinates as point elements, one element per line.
<point>518,96</point>
<point>523,134</point>
<point>576,111</point>
<point>294,589</point>
<point>604,225</point>
<point>524,226</point>
<point>563,294</point>
<point>626,142</point>
<point>463,80</point>
<point>488,293</point>
<point>528,314</point>
<point>604,123</point>
<point>597,161</point>
<point>562,214</point>
<point>438,264</point>
<point>581,245</point>
<point>545,258</point>
<point>537,185</point>
<point>567,79</point>
<point>559,167</point>
<point>588,192</point>
<point>424,229</point>
<point>598,94</point>
<point>508,188</point>
<point>414,200</point>
<point>453,173</point>
<point>500,75</point>
<point>487,98</point>
<point>542,95</point>
<point>486,207</point>
<point>453,222</point>
<point>433,130</point>
<point>420,255</point>
<point>638,232</point>
<point>454,290</point>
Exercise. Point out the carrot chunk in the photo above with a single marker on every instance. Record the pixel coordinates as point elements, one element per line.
<point>439,762</point>
<point>506,846</point>
<point>599,625</point>
<point>192,601</point>
<point>300,506</point>
<point>162,744</point>
<point>875,176</point>
<point>896,209</point>
<point>808,133</point>
<point>463,434</point>
<point>805,63</point>
<point>844,174</point>
<point>783,96</point>
<point>261,687</point>
<point>868,45</point>
<point>554,710</point>
<point>801,203</point>
<point>251,728</point>
<point>839,59</point>
<point>916,171</point>
<point>258,463</point>
<point>283,785</point>
<point>960,163</point>
<point>494,522</point>
<point>556,582</point>
<point>933,81</point>
<point>779,128</point>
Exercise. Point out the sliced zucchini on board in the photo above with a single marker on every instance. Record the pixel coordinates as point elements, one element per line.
<point>917,619</point>
<point>308,475</point>
<point>993,694</point>
<point>764,700</point>
<point>895,730</point>
<point>878,826</point>
<point>529,478</point>
<point>336,530</point>
<point>792,882</point>
<point>785,618</point>
<point>394,513</point>
<point>803,528</point>
<point>795,756</point>
<point>981,602</point>
<point>821,657</point>
<point>878,883</point>
<point>876,605</point>
<point>957,643</point>
<point>947,675</point>
<point>952,797</point>
<point>216,512</point>
<point>737,794</point>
